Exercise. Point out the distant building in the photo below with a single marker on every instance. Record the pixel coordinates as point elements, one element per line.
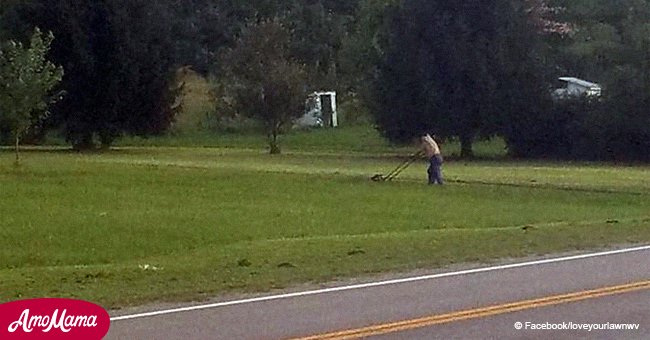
<point>577,87</point>
<point>320,110</point>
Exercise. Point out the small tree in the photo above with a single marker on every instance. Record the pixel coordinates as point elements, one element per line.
<point>26,79</point>
<point>265,82</point>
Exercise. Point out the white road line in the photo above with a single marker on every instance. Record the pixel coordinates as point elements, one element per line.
<point>380,283</point>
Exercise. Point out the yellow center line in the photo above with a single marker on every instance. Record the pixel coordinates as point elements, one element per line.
<point>479,312</point>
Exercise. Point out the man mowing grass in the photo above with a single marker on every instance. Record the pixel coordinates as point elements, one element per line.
<point>432,151</point>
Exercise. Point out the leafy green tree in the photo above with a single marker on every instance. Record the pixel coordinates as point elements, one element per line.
<point>265,82</point>
<point>458,69</point>
<point>602,36</point>
<point>122,54</point>
<point>363,48</point>
<point>609,44</point>
<point>26,80</point>
<point>317,30</point>
<point>5,6</point>
<point>544,17</point>
<point>200,29</point>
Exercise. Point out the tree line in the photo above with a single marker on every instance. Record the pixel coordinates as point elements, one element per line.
<point>462,69</point>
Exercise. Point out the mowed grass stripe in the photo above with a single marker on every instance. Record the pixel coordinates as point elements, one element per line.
<point>410,175</point>
<point>432,235</point>
<point>83,225</point>
<point>558,175</point>
<point>263,265</point>
<point>566,175</point>
<point>156,208</point>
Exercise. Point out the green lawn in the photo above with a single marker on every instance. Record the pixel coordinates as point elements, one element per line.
<point>143,224</point>
<point>360,139</point>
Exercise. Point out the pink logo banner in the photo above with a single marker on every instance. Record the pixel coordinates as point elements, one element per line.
<point>53,319</point>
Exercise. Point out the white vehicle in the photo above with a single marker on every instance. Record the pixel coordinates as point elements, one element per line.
<point>320,111</point>
<point>577,87</point>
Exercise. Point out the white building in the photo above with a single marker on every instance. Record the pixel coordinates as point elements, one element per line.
<point>577,87</point>
<point>320,110</point>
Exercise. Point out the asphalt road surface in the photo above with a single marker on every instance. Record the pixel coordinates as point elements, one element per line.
<point>558,299</point>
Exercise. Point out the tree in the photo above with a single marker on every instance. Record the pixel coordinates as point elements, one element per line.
<point>609,43</point>
<point>265,82</point>
<point>620,37</point>
<point>317,29</point>
<point>362,50</point>
<point>122,54</point>
<point>200,28</point>
<point>456,68</point>
<point>543,17</point>
<point>26,79</point>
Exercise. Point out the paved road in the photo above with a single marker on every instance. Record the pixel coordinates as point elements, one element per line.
<point>613,288</point>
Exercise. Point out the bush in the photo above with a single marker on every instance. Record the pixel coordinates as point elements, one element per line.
<point>613,130</point>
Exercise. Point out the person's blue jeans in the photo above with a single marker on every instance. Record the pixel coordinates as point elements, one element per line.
<point>435,170</point>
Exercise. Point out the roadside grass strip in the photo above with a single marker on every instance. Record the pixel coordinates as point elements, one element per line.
<point>268,265</point>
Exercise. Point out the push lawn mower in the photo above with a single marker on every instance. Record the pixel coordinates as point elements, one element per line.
<point>393,174</point>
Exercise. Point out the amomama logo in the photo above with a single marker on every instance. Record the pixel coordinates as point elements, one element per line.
<point>53,319</point>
